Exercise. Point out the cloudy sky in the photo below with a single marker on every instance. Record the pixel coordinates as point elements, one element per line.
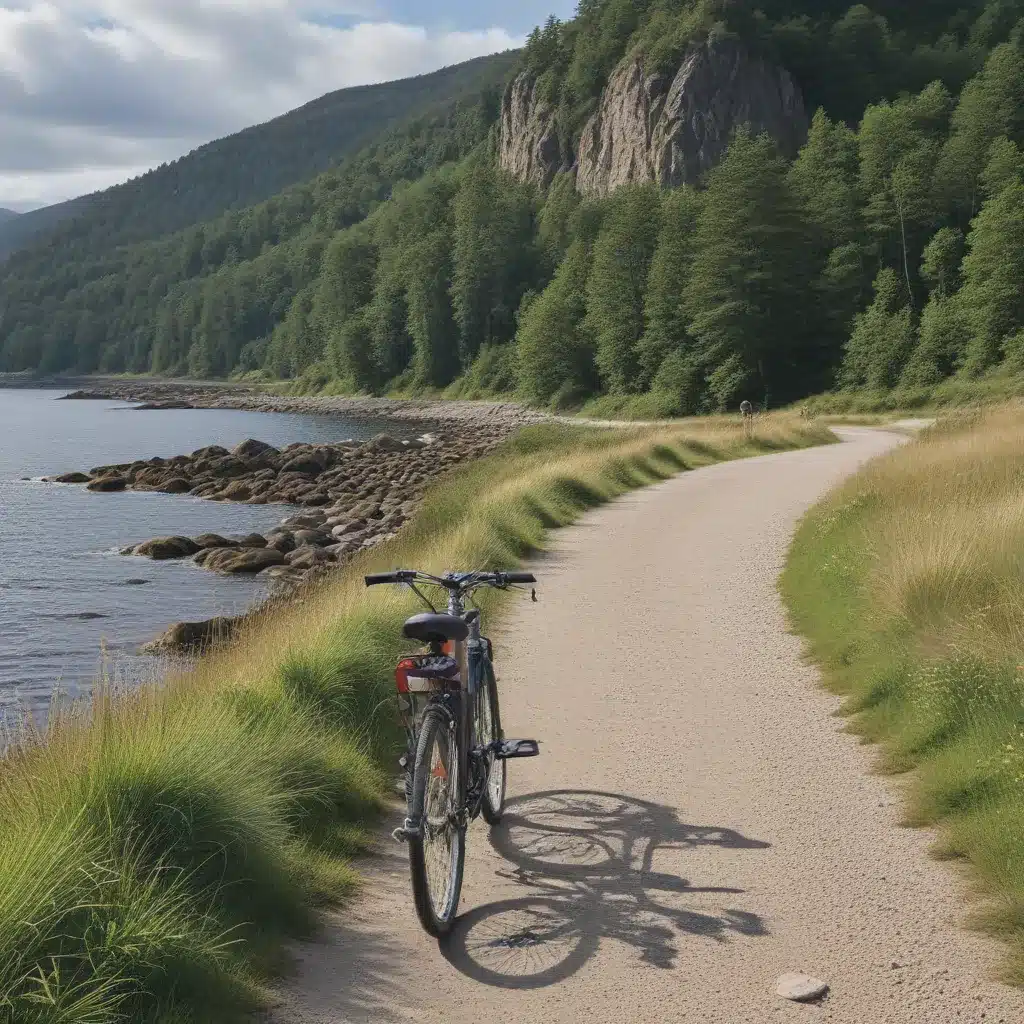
<point>93,92</point>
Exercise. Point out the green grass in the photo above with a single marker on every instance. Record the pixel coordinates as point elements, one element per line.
<point>952,393</point>
<point>908,582</point>
<point>159,847</point>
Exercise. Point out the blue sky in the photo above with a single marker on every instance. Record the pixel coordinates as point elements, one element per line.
<point>93,92</point>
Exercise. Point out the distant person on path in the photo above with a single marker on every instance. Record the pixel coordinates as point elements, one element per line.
<point>747,411</point>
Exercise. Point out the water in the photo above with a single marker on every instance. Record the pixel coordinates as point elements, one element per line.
<point>64,589</point>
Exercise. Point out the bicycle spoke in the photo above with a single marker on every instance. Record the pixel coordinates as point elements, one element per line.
<point>440,837</point>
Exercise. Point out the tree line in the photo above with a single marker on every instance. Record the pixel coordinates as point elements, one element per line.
<point>889,254</point>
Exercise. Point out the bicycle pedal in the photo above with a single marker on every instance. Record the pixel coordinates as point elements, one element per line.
<point>517,748</point>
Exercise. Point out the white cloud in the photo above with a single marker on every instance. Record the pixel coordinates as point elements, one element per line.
<point>94,91</point>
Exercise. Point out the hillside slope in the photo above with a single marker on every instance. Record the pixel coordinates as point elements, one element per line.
<point>886,254</point>
<point>253,164</point>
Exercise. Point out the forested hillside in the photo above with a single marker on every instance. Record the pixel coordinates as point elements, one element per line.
<point>890,253</point>
<point>252,165</point>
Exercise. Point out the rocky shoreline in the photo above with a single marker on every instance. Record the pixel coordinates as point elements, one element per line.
<point>429,412</point>
<point>347,496</point>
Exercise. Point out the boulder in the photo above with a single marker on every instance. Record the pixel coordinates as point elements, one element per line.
<point>307,558</point>
<point>252,540</point>
<point>192,636</point>
<point>72,478</point>
<point>308,521</point>
<point>349,529</point>
<point>338,552</point>
<point>246,562</point>
<point>163,548</point>
<point>316,538</point>
<point>162,406</point>
<point>175,485</point>
<point>108,484</point>
<point>214,540</point>
<point>309,465</point>
<point>213,451</point>
<point>239,490</point>
<point>281,540</point>
<point>384,443</point>
<point>253,449</point>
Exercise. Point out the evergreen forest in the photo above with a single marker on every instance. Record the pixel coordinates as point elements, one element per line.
<point>888,257</point>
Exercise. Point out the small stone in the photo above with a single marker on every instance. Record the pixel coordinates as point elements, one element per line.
<point>801,988</point>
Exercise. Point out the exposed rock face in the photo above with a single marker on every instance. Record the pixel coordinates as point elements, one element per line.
<point>656,128</point>
<point>650,128</point>
<point>529,147</point>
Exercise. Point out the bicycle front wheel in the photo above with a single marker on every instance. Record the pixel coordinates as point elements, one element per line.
<point>437,854</point>
<point>489,731</point>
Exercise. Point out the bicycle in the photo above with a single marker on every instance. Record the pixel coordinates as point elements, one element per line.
<point>455,763</point>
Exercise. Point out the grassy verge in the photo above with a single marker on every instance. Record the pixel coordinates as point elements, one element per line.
<point>909,583</point>
<point>952,393</point>
<point>157,851</point>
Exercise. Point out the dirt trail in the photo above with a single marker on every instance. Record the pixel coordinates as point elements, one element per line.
<point>698,823</point>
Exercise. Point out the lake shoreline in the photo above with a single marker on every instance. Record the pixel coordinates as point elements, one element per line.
<point>179,394</point>
<point>341,499</point>
<point>61,541</point>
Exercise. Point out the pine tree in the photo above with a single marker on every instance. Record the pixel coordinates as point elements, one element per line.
<point>555,223</point>
<point>940,264</point>
<point>899,145</point>
<point>943,337</point>
<point>992,296</point>
<point>618,282</point>
<point>824,178</point>
<point>430,324</point>
<point>665,319</point>
<point>494,257</point>
<point>747,294</point>
<point>556,352</point>
<point>991,105</point>
<point>883,337</point>
<point>826,181</point>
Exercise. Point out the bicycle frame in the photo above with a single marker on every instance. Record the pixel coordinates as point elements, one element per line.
<point>471,655</point>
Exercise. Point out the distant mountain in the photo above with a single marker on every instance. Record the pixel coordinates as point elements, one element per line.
<point>7,215</point>
<point>253,164</point>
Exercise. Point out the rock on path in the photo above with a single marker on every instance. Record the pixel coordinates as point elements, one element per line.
<point>698,823</point>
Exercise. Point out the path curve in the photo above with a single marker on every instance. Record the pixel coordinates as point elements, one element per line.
<point>698,824</point>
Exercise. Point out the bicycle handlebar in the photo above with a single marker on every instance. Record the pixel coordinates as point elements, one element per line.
<point>520,577</point>
<point>374,579</point>
<point>459,582</point>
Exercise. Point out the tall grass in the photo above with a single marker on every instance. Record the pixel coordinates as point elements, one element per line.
<point>158,849</point>
<point>954,392</point>
<point>909,583</point>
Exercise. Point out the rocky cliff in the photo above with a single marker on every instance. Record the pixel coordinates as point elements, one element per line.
<point>529,147</point>
<point>658,128</point>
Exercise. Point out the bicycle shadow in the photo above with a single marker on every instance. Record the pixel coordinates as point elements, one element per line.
<point>588,859</point>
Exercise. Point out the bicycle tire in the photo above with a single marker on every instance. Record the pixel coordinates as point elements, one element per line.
<point>436,733</point>
<point>493,806</point>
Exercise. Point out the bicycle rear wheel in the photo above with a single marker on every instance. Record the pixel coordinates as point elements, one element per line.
<point>437,854</point>
<point>488,731</point>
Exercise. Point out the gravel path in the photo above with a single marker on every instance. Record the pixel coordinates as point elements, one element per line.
<point>698,823</point>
